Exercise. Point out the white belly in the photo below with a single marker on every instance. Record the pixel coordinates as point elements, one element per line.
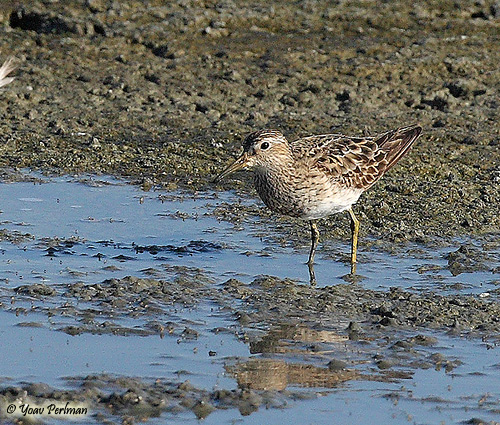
<point>338,202</point>
<point>310,198</point>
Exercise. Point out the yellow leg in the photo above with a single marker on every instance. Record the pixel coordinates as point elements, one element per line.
<point>354,241</point>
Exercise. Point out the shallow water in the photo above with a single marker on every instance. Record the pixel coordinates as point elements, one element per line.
<point>109,219</point>
<point>92,229</point>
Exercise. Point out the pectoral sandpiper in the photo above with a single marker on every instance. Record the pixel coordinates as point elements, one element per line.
<point>317,176</point>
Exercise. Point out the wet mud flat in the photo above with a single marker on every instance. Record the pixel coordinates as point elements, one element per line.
<point>152,300</point>
<point>150,323</point>
<point>165,93</point>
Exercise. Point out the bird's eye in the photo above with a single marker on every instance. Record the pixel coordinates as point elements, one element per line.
<point>264,145</point>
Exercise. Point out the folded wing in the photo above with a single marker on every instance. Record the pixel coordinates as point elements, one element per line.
<point>356,162</point>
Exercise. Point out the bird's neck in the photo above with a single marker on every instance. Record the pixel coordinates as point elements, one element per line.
<point>276,183</point>
<point>279,169</point>
<point>274,178</point>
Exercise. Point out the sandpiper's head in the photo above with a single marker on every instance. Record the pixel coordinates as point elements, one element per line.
<point>260,149</point>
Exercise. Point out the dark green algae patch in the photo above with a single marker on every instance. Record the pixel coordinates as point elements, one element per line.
<point>164,94</point>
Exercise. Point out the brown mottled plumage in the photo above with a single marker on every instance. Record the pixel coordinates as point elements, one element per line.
<point>317,176</point>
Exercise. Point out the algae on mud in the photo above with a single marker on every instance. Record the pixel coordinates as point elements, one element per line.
<point>165,93</point>
<point>147,284</point>
<point>302,328</point>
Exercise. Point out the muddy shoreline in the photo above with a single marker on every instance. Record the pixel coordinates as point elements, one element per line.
<point>163,95</point>
<point>319,337</point>
<point>302,340</point>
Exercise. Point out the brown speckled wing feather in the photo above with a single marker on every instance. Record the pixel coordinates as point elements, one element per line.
<point>355,162</point>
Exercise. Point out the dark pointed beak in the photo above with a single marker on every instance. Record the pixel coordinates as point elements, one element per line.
<point>242,162</point>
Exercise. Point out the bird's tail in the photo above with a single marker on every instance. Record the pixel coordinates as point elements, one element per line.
<point>397,143</point>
